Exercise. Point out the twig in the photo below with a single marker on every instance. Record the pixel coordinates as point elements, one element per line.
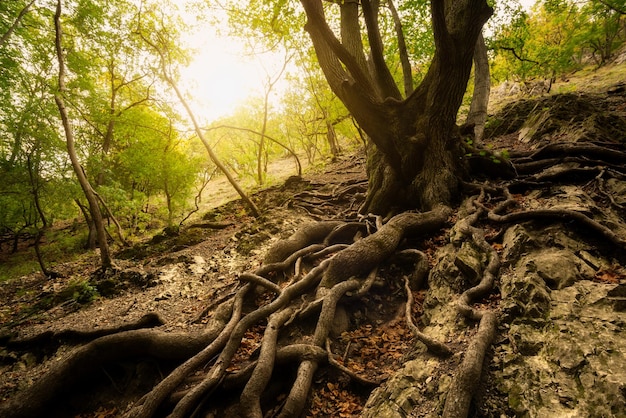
<point>333,362</point>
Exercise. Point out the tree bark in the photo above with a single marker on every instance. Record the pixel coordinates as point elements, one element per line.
<point>94,208</point>
<point>414,154</point>
<point>477,115</point>
<point>331,138</point>
<point>407,72</point>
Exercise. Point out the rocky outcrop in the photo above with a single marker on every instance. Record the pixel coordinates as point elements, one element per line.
<point>560,349</point>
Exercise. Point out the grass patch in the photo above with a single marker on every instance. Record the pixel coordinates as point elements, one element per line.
<point>18,265</point>
<point>58,246</point>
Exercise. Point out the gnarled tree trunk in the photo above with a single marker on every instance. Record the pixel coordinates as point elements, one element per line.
<point>415,155</point>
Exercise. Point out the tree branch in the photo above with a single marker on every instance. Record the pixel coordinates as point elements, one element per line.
<point>385,81</point>
<point>407,72</point>
<point>15,24</point>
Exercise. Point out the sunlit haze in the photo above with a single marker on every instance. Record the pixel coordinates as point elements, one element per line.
<point>223,74</point>
<point>219,77</point>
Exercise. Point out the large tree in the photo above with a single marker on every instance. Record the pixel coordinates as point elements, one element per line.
<point>259,353</point>
<point>415,155</point>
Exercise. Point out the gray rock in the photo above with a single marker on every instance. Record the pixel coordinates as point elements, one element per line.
<point>560,348</point>
<point>516,240</point>
<point>574,365</point>
<point>470,261</point>
<point>560,268</point>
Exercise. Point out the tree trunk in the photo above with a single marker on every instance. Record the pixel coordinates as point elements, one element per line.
<point>414,151</point>
<point>94,208</point>
<point>92,234</point>
<point>331,137</point>
<point>477,115</point>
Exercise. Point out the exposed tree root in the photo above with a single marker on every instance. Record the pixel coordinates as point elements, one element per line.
<point>434,346</point>
<point>469,373</point>
<point>38,341</point>
<point>557,215</point>
<point>85,360</point>
<point>352,269</point>
<point>464,383</point>
<point>312,233</point>
<point>149,404</point>
<point>305,284</point>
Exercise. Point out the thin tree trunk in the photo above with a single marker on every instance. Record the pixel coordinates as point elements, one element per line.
<point>331,137</point>
<point>407,73</point>
<point>94,208</point>
<point>40,260</point>
<point>233,182</point>
<point>261,162</point>
<point>91,235</point>
<point>118,226</point>
<point>16,22</point>
<point>477,115</point>
<point>34,184</point>
<point>255,211</point>
<point>260,172</point>
<point>170,209</point>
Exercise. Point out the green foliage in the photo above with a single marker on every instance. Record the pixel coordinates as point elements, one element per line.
<point>126,133</point>
<point>268,23</point>
<point>17,266</point>
<point>557,37</point>
<point>150,159</point>
<point>78,290</point>
<point>415,16</point>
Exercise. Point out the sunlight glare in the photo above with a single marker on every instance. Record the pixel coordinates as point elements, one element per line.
<point>221,76</point>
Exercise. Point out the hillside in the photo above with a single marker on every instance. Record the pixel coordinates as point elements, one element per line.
<point>555,223</point>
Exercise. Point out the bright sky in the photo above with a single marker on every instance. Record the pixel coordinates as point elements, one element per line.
<point>223,74</point>
<point>527,4</point>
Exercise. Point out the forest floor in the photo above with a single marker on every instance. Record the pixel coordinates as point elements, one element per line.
<point>184,276</point>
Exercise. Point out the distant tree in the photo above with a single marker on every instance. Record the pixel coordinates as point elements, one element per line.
<point>557,37</point>
<point>269,86</point>
<point>164,44</point>
<point>605,29</point>
<point>151,158</point>
<point>477,115</point>
<point>31,156</point>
